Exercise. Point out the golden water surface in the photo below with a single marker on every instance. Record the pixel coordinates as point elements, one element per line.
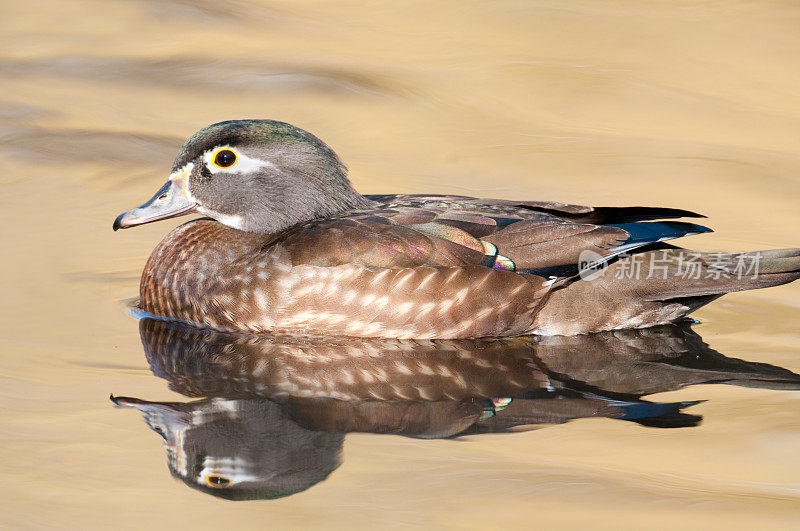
<point>686,104</point>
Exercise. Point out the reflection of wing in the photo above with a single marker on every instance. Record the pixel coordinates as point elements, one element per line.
<point>449,418</point>
<point>445,231</point>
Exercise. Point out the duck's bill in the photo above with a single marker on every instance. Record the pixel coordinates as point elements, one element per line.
<point>170,201</point>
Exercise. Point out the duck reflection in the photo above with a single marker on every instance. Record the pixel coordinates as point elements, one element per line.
<point>275,408</point>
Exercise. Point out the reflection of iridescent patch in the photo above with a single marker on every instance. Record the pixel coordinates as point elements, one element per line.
<point>500,403</point>
<point>486,414</point>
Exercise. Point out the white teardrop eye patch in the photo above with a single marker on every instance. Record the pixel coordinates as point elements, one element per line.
<point>225,159</point>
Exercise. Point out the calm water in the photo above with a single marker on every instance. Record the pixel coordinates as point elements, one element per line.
<point>683,104</point>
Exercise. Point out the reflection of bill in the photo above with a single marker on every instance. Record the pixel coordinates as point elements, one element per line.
<point>591,265</point>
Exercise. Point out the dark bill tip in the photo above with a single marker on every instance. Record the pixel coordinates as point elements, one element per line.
<point>168,202</point>
<point>118,223</point>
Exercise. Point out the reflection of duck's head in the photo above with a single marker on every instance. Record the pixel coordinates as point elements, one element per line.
<point>254,175</point>
<point>240,449</point>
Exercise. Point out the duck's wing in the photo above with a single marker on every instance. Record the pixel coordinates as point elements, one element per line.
<point>543,238</point>
<point>437,269</point>
<point>577,213</point>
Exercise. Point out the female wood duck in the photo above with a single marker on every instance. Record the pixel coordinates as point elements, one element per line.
<point>290,246</point>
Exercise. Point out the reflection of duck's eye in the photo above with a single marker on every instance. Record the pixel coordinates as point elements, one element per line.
<point>218,482</point>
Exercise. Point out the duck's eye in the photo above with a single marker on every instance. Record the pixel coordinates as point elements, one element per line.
<point>218,482</point>
<point>224,158</point>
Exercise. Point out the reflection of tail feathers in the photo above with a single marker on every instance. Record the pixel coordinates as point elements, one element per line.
<point>716,368</point>
<point>632,363</point>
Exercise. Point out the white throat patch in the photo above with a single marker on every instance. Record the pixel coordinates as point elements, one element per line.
<point>229,220</point>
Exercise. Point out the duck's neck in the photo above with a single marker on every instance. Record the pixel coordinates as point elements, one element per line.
<point>273,217</point>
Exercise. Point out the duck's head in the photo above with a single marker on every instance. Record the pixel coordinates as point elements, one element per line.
<point>253,175</point>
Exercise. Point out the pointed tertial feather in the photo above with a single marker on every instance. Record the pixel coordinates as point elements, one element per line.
<point>535,245</point>
<point>642,234</point>
<point>604,215</point>
<point>609,215</point>
<point>660,230</point>
<point>645,233</point>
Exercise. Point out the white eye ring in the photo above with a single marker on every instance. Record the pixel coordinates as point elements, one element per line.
<point>224,158</point>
